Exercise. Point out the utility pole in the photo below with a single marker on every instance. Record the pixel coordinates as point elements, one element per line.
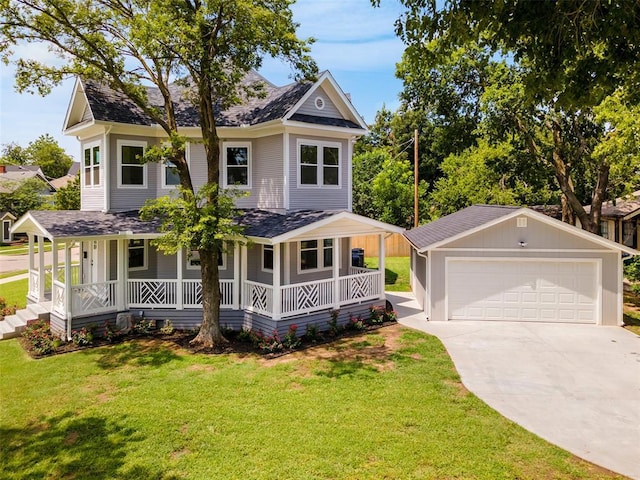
<point>415,177</point>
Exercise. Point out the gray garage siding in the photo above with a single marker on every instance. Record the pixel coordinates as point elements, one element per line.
<point>419,287</point>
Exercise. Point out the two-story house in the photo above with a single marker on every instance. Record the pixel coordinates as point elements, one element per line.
<point>290,151</point>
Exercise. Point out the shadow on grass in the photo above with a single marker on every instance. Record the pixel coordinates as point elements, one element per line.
<point>390,277</point>
<point>348,368</point>
<point>136,353</point>
<point>65,446</point>
<point>629,319</point>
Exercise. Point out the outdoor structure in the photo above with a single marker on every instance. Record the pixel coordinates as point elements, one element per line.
<point>7,219</point>
<point>12,176</point>
<point>620,219</point>
<point>514,264</point>
<point>290,151</point>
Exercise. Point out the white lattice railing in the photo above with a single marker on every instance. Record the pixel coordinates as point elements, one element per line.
<point>58,300</point>
<point>358,270</point>
<point>192,293</point>
<point>306,297</point>
<point>34,284</point>
<point>360,287</point>
<point>93,298</point>
<point>152,293</point>
<point>258,298</point>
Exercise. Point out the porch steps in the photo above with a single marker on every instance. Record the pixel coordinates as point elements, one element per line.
<point>13,325</point>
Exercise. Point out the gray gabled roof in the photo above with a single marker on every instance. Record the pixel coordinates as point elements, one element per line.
<point>111,106</point>
<point>455,224</point>
<point>264,224</point>
<point>622,207</point>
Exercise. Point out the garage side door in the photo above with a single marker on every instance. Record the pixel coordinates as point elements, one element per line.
<point>516,290</point>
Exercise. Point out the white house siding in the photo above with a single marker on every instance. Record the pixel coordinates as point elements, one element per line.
<point>329,110</point>
<point>318,198</point>
<point>267,175</point>
<point>197,164</point>
<point>92,198</point>
<point>419,270</point>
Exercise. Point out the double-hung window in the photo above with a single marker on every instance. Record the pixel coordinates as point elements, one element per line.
<point>169,172</point>
<point>91,167</point>
<point>193,260</point>
<point>319,164</point>
<point>137,254</point>
<point>316,255</point>
<point>132,171</point>
<point>236,160</point>
<point>267,258</point>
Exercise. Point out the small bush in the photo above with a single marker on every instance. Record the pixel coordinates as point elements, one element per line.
<point>270,344</point>
<point>5,309</point>
<point>390,316</point>
<point>167,328</point>
<point>291,340</point>
<point>312,334</point>
<point>144,326</point>
<point>40,340</point>
<point>246,335</point>
<point>84,336</point>
<point>376,315</point>
<point>635,288</point>
<point>355,324</point>
<point>632,269</point>
<point>110,333</point>
<point>334,328</point>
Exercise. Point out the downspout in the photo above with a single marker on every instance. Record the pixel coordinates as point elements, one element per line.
<point>107,171</point>
<point>428,281</point>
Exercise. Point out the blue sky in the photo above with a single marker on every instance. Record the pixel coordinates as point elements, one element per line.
<point>354,41</point>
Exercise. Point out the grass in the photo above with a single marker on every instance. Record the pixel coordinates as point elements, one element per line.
<point>15,293</point>
<point>21,249</point>
<point>387,404</point>
<point>396,275</point>
<point>631,317</point>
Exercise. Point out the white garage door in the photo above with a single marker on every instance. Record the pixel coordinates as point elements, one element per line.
<point>516,290</point>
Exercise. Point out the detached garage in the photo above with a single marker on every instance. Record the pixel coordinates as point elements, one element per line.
<point>513,264</point>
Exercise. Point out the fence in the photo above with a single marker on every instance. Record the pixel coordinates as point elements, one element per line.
<point>395,245</point>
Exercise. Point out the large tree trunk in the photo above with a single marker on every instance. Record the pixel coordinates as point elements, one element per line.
<point>210,334</point>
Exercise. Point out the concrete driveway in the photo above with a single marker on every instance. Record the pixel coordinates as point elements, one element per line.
<point>576,386</point>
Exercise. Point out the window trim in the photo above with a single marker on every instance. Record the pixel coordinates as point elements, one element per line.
<point>131,143</point>
<point>145,255</point>
<point>190,266</point>
<point>320,248</point>
<point>163,168</point>
<point>91,147</point>
<point>265,269</point>
<point>320,163</point>
<point>223,162</point>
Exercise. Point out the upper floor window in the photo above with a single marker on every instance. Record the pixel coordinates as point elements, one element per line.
<point>604,228</point>
<point>169,172</point>
<point>132,171</point>
<point>236,169</point>
<point>316,255</point>
<point>319,164</point>
<point>91,167</point>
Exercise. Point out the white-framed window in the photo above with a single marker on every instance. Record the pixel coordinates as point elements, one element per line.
<point>169,177</point>
<point>132,171</point>
<point>267,258</point>
<point>91,165</point>
<point>629,233</point>
<point>318,164</point>
<point>137,254</point>
<point>193,260</point>
<point>315,255</point>
<point>236,164</point>
<point>604,228</point>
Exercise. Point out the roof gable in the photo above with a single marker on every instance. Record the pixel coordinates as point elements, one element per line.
<point>471,220</point>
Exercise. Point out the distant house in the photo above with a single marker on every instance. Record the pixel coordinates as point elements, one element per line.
<point>65,180</point>
<point>12,176</point>
<point>7,219</point>
<point>620,219</point>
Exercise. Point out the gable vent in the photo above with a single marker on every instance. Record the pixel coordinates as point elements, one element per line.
<point>319,102</point>
<point>522,222</point>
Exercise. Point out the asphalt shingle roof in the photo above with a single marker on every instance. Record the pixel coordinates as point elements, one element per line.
<point>111,106</point>
<point>257,223</point>
<point>622,206</point>
<point>455,224</point>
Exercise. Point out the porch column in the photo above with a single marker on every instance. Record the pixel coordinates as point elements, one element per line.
<point>237,283</point>
<point>179,286</point>
<point>54,267</point>
<point>121,273</point>
<point>277,292</point>
<point>243,274</point>
<point>31,264</point>
<point>336,273</point>
<point>41,272</point>
<point>68,307</point>
<point>381,266</point>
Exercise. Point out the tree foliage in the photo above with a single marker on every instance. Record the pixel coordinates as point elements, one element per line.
<point>44,152</point>
<point>29,194</point>
<point>68,197</point>
<point>207,47</point>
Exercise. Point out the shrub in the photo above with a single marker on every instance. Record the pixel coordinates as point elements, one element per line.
<point>167,328</point>
<point>246,335</point>
<point>632,269</point>
<point>291,340</point>
<point>312,334</point>
<point>40,340</point>
<point>376,315</point>
<point>110,333</point>
<point>390,316</point>
<point>635,288</point>
<point>84,336</point>
<point>334,328</point>
<point>355,323</point>
<point>270,344</point>
<point>144,326</point>
<point>5,309</point>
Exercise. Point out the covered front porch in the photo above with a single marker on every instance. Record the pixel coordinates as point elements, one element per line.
<point>283,273</point>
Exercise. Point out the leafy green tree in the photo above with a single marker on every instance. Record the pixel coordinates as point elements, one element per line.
<point>30,194</point>
<point>44,152</point>
<point>366,166</point>
<point>207,45</point>
<point>12,154</point>
<point>68,197</point>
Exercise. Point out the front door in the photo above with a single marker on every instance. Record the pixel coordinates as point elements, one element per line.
<point>6,231</point>
<point>90,262</point>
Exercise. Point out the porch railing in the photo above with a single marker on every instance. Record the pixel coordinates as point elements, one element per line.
<point>93,298</point>
<point>152,293</point>
<point>192,293</point>
<point>258,297</point>
<point>361,286</point>
<point>306,297</point>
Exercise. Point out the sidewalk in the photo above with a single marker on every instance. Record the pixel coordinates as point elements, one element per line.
<point>14,278</point>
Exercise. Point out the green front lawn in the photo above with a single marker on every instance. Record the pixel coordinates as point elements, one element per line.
<point>15,293</point>
<point>388,404</point>
<point>396,275</point>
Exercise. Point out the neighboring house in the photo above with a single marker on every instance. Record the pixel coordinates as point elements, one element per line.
<point>620,219</point>
<point>511,263</point>
<point>11,176</point>
<point>290,151</point>
<point>63,181</point>
<point>7,219</point>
